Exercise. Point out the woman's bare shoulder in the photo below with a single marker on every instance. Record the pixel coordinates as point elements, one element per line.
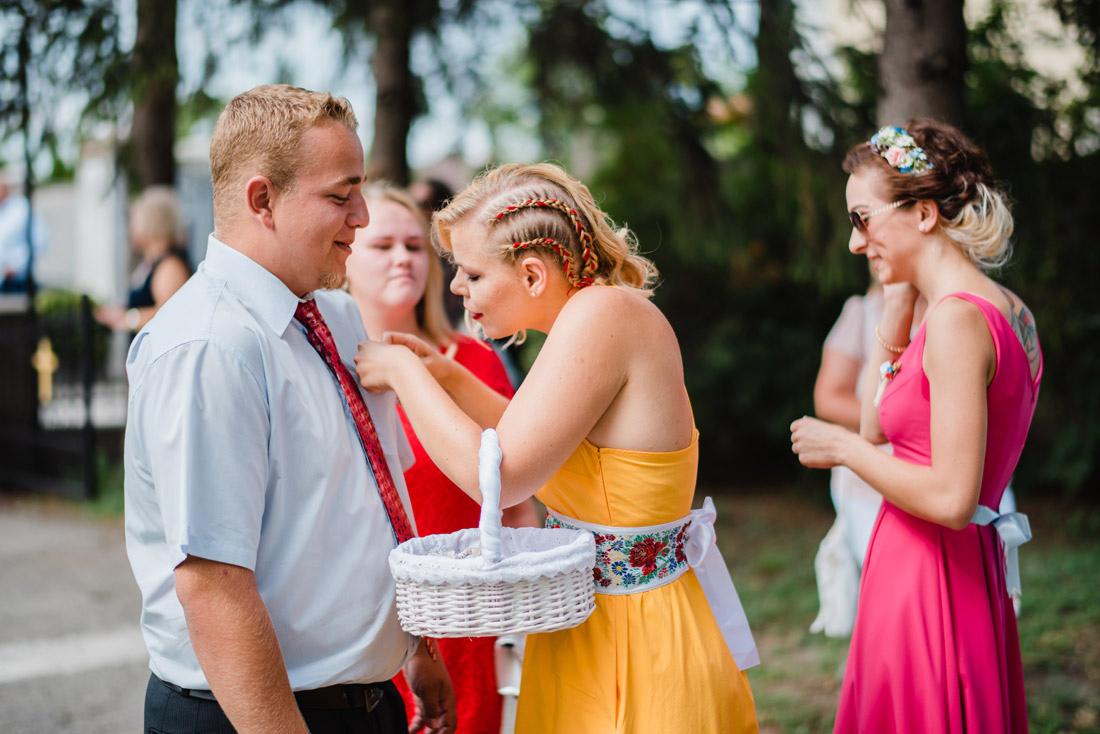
<point>954,318</point>
<point>614,322</point>
<point>616,307</point>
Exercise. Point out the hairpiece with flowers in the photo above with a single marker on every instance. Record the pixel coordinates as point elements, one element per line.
<point>899,149</point>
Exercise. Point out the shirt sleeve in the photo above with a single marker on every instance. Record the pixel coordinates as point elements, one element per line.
<point>204,424</point>
<point>846,336</point>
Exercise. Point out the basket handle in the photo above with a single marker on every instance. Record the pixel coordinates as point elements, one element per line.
<point>488,476</point>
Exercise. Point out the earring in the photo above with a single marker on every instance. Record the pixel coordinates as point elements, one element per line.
<point>533,294</point>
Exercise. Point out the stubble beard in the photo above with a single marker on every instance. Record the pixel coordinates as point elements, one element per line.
<point>332,281</point>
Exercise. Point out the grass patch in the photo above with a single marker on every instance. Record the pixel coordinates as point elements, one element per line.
<point>769,539</point>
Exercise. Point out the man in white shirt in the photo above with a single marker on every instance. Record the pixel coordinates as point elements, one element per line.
<point>15,253</point>
<point>261,505</point>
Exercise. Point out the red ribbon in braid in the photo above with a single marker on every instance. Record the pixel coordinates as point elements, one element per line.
<point>563,253</point>
<point>588,255</point>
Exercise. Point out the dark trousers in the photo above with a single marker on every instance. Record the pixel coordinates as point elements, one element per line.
<point>170,711</point>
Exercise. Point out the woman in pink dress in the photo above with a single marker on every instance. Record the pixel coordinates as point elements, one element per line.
<point>935,647</point>
<point>397,282</point>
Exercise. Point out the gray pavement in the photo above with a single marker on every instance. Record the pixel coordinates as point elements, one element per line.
<point>71,656</point>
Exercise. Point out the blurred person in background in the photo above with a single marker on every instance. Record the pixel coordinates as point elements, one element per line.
<point>397,282</point>
<point>431,195</point>
<point>157,235</point>
<point>836,399</point>
<point>15,254</point>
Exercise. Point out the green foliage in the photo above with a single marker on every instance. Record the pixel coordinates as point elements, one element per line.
<point>1014,113</point>
<point>737,196</point>
<point>56,50</point>
<point>197,108</point>
<point>738,213</point>
<point>743,212</point>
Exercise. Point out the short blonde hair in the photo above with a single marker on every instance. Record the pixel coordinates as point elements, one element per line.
<point>155,214</point>
<point>431,316</point>
<point>532,203</point>
<point>260,133</point>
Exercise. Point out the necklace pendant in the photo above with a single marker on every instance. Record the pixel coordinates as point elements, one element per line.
<point>886,371</point>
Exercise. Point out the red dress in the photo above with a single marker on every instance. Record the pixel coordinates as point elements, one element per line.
<point>935,647</point>
<point>441,507</point>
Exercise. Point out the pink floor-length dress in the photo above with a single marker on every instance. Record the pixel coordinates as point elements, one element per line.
<point>935,647</point>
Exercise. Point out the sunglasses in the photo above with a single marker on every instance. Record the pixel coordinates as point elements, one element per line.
<point>859,221</point>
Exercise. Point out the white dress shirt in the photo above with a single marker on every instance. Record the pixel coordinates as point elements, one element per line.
<point>240,448</point>
<point>14,253</point>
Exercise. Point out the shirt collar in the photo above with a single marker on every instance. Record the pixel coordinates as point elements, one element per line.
<point>256,286</point>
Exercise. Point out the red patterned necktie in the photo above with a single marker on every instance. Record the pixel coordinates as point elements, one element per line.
<point>321,338</point>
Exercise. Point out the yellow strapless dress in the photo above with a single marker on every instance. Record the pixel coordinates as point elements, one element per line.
<point>653,661</point>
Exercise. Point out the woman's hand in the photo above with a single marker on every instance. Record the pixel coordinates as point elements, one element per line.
<point>113,317</point>
<point>440,366</point>
<point>377,362</point>
<point>899,297</point>
<point>819,445</point>
<point>898,302</point>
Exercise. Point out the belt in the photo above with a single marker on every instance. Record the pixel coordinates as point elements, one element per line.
<point>640,555</point>
<point>630,560</point>
<point>343,696</point>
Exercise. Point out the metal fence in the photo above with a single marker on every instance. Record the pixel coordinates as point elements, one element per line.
<point>55,419</point>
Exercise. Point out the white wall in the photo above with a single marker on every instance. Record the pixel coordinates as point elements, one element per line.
<point>99,247</point>
<point>54,207</point>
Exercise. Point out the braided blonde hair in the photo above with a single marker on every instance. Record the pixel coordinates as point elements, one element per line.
<point>539,207</point>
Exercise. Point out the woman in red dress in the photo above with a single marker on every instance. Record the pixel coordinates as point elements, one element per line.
<point>397,281</point>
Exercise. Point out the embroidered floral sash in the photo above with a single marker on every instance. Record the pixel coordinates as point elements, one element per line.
<point>632,560</point>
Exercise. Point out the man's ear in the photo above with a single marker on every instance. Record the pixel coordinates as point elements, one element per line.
<point>535,274</point>
<point>929,215</point>
<point>260,193</point>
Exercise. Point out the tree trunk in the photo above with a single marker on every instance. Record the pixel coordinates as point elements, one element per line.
<point>923,61</point>
<point>778,98</point>
<point>155,72</point>
<point>392,27</point>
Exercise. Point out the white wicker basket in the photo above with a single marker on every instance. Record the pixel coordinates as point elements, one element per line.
<point>489,580</point>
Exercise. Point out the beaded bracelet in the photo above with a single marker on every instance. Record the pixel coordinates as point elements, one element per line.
<point>887,346</point>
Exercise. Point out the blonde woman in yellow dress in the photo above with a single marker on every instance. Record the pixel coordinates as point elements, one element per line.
<point>601,431</point>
